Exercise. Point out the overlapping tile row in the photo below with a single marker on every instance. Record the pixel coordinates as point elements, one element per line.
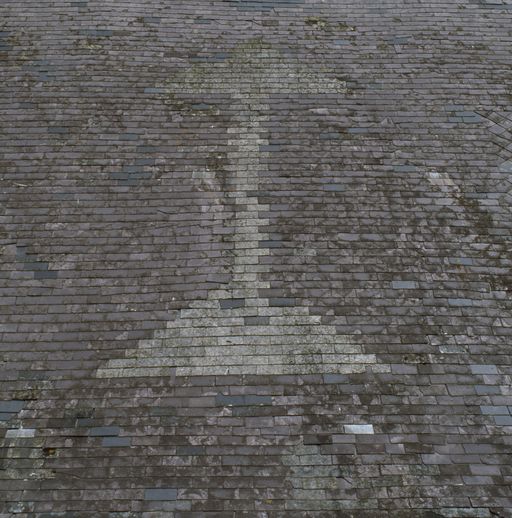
<point>256,258</point>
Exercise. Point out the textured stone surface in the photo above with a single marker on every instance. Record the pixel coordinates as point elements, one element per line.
<point>256,258</point>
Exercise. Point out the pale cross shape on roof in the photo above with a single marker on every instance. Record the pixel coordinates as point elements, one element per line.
<point>235,331</point>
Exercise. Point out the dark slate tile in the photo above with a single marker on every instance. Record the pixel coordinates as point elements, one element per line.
<point>13,406</point>
<point>115,442</point>
<point>282,301</point>
<point>104,431</point>
<point>232,303</point>
<point>162,494</point>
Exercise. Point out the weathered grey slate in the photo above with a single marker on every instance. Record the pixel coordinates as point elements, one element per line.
<point>255,258</point>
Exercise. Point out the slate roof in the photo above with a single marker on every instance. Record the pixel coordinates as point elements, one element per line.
<point>256,258</point>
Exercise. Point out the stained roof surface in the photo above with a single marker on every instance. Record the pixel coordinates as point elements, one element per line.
<point>256,258</point>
